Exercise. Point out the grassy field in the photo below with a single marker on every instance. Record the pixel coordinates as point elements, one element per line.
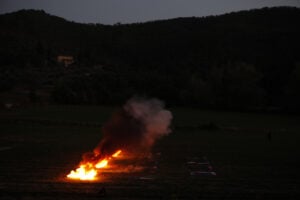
<point>39,146</point>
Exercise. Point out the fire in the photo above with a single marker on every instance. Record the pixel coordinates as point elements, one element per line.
<point>103,163</point>
<point>83,172</point>
<point>116,154</point>
<point>89,171</point>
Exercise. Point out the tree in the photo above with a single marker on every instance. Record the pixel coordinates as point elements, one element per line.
<point>197,92</point>
<point>237,86</point>
<point>293,90</point>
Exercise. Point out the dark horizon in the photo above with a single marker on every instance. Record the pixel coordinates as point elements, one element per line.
<point>135,11</point>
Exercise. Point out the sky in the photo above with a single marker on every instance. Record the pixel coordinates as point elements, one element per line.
<point>130,11</point>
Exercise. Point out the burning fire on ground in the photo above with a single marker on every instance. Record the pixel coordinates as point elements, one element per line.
<point>132,129</point>
<point>89,170</point>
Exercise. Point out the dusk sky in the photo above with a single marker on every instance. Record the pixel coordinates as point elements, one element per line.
<point>128,11</point>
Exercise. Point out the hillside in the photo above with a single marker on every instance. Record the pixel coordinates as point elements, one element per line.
<point>243,60</point>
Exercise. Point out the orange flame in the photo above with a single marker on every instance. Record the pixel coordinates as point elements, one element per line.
<point>101,164</point>
<point>116,154</point>
<point>83,172</point>
<point>89,171</point>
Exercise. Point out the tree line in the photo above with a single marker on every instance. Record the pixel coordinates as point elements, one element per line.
<point>242,60</point>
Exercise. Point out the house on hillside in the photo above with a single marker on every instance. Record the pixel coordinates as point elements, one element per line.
<point>65,60</point>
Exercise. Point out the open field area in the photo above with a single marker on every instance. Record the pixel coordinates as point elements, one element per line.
<point>254,156</point>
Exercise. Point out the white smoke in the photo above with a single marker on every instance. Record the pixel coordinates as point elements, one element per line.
<point>155,118</point>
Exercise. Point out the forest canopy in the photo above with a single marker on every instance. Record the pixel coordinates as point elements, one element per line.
<point>243,60</point>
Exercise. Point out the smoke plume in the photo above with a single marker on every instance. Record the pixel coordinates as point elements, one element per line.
<point>135,127</point>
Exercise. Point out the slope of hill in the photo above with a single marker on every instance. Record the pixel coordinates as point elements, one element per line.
<point>237,60</point>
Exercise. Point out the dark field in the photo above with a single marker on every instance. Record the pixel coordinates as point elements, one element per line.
<point>255,156</point>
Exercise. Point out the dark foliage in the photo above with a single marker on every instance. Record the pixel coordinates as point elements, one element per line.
<point>242,60</point>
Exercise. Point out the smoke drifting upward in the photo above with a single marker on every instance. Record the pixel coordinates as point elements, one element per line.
<point>135,127</point>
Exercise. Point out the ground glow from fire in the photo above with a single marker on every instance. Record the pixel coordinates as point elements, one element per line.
<point>90,171</point>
